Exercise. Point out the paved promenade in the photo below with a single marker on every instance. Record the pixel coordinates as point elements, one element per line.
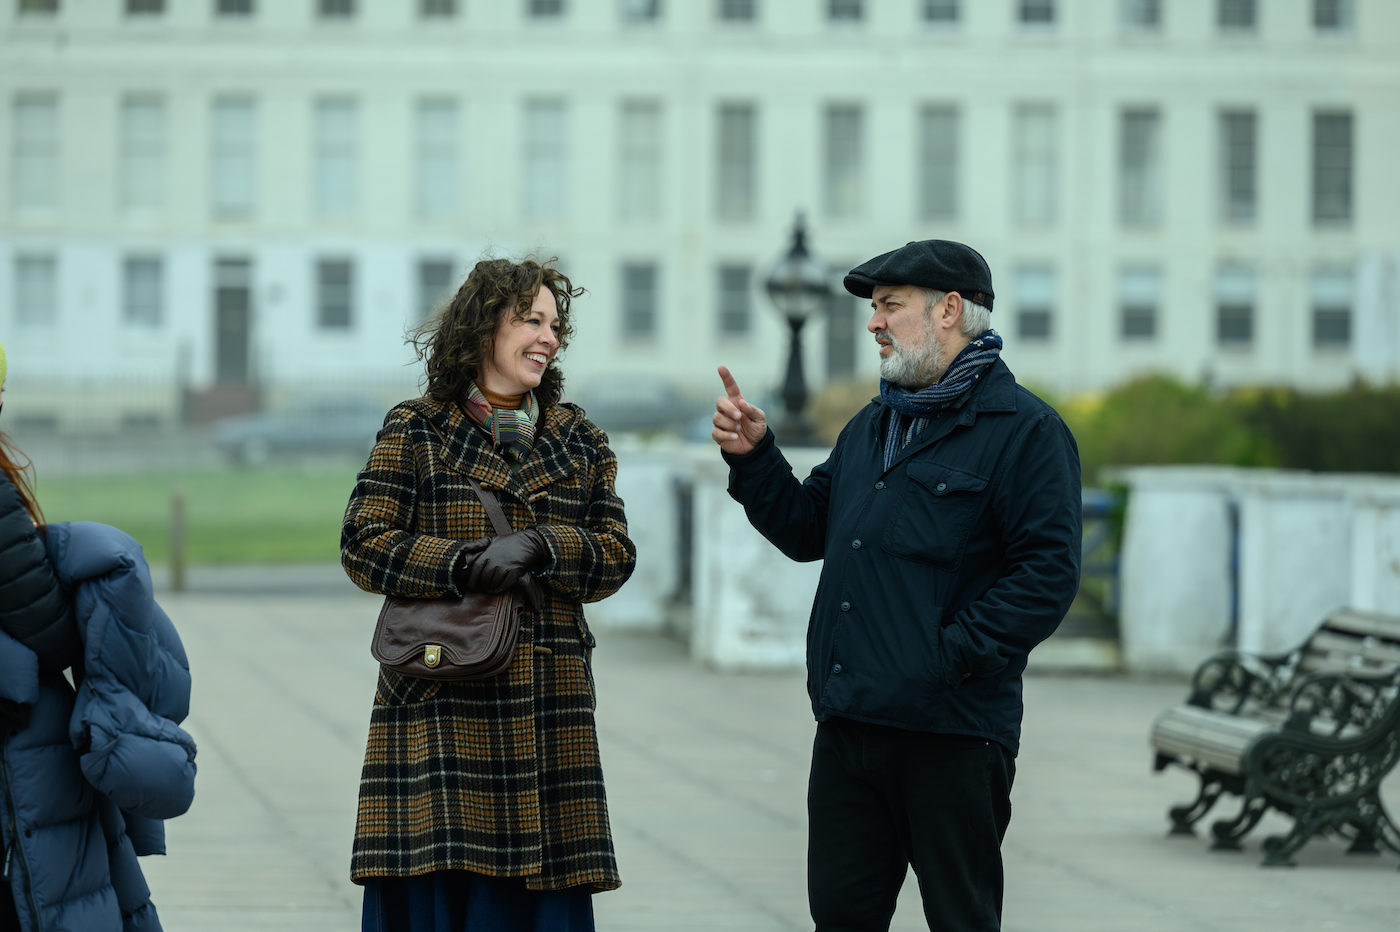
<point>706,781</point>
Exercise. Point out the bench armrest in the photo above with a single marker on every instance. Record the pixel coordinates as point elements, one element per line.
<point>1238,683</point>
<point>1342,705</point>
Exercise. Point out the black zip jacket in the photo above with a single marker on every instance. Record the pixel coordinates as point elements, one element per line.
<point>34,609</point>
<point>941,573</point>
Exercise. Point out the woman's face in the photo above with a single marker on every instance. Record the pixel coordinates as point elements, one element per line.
<point>522,349</point>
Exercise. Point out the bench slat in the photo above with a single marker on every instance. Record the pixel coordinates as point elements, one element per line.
<point>1386,627</point>
<point>1371,648</point>
<point>1216,739</point>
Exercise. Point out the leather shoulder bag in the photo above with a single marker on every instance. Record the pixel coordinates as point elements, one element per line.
<point>467,638</point>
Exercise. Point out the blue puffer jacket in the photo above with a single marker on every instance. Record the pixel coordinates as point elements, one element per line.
<point>83,788</point>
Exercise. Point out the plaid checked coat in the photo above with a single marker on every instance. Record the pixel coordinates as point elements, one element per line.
<point>498,776</point>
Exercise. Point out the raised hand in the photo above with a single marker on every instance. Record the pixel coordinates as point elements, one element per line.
<point>739,426</point>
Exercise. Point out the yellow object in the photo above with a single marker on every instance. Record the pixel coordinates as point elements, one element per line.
<point>432,655</point>
<point>3,365</point>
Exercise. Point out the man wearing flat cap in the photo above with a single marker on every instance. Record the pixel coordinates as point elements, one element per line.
<point>948,516</point>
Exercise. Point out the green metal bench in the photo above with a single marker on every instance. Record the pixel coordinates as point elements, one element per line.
<point>1310,734</point>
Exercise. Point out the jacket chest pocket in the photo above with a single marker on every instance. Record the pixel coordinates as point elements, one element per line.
<point>935,514</point>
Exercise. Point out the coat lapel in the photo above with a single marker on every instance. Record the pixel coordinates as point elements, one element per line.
<point>552,459</point>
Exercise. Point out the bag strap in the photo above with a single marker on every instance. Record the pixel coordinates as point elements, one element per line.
<point>488,499</point>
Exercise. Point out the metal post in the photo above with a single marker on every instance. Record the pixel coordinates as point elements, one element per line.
<point>177,540</point>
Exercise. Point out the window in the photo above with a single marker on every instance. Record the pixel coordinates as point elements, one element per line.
<point>336,157</point>
<point>37,6</point>
<point>1036,12</point>
<point>437,9</point>
<point>233,8</point>
<point>1331,308</point>
<point>1234,306</point>
<point>1331,167</point>
<point>143,293</point>
<point>1236,15</point>
<point>842,173</point>
<point>640,11</point>
<point>845,11</point>
<point>35,159</point>
<point>1035,302</point>
<point>639,301</point>
<point>335,9</point>
<point>145,7</point>
<point>437,158</point>
<point>434,285</point>
<point>143,143</point>
<point>335,287</point>
<point>1035,164</point>
<point>1140,15</point>
<point>737,11</point>
<point>1238,167</point>
<point>544,9</point>
<point>546,159</point>
<point>1139,168</point>
<point>940,12</point>
<point>1137,301</point>
<point>735,300</point>
<point>639,160</point>
<point>36,291</point>
<point>737,157</point>
<point>233,153</point>
<point>1334,15</point>
<point>938,163</point>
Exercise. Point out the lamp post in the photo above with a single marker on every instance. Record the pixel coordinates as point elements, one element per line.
<point>798,286</point>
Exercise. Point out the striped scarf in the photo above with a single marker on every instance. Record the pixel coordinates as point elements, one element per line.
<point>911,410</point>
<point>512,431</point>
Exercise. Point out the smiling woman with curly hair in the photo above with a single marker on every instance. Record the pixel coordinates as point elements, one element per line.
<point>481,801</point>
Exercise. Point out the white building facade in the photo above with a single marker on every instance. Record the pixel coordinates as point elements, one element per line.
<point>198,194</point>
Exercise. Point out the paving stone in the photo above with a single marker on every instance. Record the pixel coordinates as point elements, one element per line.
<point>706,777</point>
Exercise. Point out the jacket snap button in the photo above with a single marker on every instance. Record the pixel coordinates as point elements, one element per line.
<point>836,668</point>
<point>880,484</point>
<point>855,544</point>
<point>942,486</point>
<point>845,606</point>
<point>30,834</point>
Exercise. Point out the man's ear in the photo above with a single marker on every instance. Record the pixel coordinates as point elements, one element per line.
<point>952,309</point>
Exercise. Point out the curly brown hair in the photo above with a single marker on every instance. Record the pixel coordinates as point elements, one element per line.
<point>456,342</point>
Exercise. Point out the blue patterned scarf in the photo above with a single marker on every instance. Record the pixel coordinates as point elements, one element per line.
<point>911,410</point>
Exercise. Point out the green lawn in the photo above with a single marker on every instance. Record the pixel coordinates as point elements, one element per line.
<point>269,515</point>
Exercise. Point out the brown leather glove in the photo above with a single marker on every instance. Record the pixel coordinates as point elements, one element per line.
<point>502,562</point>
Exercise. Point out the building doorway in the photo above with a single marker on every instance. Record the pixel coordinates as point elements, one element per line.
<point>233,301</point>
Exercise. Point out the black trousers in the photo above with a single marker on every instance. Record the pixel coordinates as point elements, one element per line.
<point>881,799</point>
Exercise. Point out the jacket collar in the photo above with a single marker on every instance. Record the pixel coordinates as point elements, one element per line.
<point>469,450</point>
<point>993,394</point>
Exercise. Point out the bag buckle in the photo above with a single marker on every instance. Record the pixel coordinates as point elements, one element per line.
<point>432,656</point>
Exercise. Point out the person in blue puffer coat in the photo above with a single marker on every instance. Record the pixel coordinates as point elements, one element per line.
<point>88,774</point>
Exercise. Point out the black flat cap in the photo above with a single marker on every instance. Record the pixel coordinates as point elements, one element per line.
<point>939,264</point>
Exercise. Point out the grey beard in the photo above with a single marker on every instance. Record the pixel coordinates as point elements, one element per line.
<point>914,368</point>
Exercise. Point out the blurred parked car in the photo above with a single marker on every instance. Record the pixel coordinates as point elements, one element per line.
<point>634,404</point>
<point>324,426</point>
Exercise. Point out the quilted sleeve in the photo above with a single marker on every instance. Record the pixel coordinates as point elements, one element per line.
<point>591,561</point>
<point>377,546</point>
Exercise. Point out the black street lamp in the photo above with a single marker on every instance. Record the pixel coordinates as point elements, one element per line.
<point>799,287</point>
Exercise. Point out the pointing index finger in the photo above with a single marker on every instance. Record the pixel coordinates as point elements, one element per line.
<point>731,387</point>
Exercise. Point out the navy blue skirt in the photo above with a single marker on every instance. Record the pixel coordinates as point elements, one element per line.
<point>460,901</point>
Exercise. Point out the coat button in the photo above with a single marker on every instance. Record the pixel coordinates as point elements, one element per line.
<point>855,544</point>
<point>942,486</point>
<point>845,606</point>
<point>880,484</point>
<point>836,668</point>
<point>28,833</point>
